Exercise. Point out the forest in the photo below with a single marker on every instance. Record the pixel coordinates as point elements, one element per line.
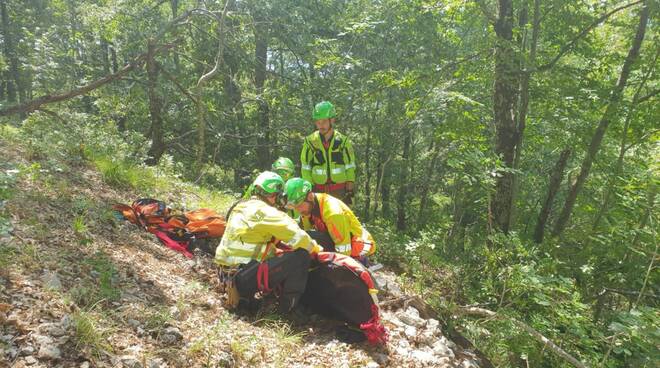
<point>507,151</point>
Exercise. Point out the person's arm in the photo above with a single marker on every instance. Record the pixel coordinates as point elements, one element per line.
<point>339,229</point>
<point>349,158</point>
<point>285,229</point>
<point>306,161</point>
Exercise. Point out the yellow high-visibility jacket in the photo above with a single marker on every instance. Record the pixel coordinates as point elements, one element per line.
<point>337,219</point>
<point>336,163</point>
<point>251,226</point>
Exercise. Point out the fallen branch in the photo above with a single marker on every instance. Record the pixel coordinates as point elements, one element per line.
<point>47,99</point>
<point>474,311</point>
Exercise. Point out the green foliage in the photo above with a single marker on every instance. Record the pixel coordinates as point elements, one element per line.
<point>89,334</point>
<point>122,175</point>
<point>413,85</point>
<point>635,336</point>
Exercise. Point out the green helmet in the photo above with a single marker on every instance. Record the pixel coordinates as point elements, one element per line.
<point>268,182</point>
<point>284,167</point>
<point>323,110</point>
<point>296,190</point>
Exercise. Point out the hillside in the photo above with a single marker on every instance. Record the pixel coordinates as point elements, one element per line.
<point>80,289</point>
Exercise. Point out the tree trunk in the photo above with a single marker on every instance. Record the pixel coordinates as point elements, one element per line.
<point>404,174</point>
<point>523,92</point>
<point>367,166</point>
<point>105,54</point>
<point>504,104</point>
<point>113,58</point>
<point>201,82</point>
<point>11,76</point>
<point>609,114</point>
<point>623,148</point>
<point>386,184</point>
<point>650,204</point>
<point>553,188</point>
<point>157,143</point>
<point>174,6</point>
<point>426,185</point>
<point>263,126</point>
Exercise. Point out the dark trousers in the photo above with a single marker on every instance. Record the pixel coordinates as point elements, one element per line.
<point>289,270</point>
<point>323,239</point>
<point>341,194</point>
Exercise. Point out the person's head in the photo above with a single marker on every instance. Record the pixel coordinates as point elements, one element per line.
<point>284,167</point>
<point>268,186</point>
<point>324,117</point>
<point>299,195</point>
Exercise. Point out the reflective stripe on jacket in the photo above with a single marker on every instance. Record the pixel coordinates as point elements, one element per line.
<point>348,234</point>
<point>251,226</point>
<point>319,164</point>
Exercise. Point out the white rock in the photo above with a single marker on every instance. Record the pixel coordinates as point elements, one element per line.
<point>49,352</point>
<point>372,364</point>
<point>395,321</point>
<point>410,317</point>
<point>42,340</point>
<point>129,361</point>
<point>56,331</point>
<point>27,350</point>
<point>469,364</point>
<point>156,363</point>
<point>444,362</point>
<point>84,365</point>
<point>51,280</point>
<point>29,360</point>
<point>66,321</point>
<point>401,351</point>
<point>410,332</point>
<point>424,357</point>
<point>12,352</point>
<point>432,324</point>
<point>404,344</point>
<point>440,348</point>
<point>427,337</point>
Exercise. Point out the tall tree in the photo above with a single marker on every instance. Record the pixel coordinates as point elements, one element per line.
<point>504,107</point>
<point>610,114</point>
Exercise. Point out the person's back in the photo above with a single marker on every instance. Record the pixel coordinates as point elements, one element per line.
<point>247,252</point>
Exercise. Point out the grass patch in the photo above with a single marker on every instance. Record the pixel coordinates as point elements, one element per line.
<point>89,335</point>
<point>7,256</point>
<point>158,320</point>
<point>123,175</point>
<point>9,132</point>
<point>207,345</point>
<point>102,289</point>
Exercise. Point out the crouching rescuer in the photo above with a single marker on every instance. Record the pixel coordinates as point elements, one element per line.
<point>329,221</point>
<point>248,256</point>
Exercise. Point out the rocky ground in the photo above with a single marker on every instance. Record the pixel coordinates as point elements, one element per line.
<point>79,289</point>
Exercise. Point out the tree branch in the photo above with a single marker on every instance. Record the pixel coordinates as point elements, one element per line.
<point>648,96</point>
<point>584,32</point>
<point>178,85</point>
<point>487,12</point>
<point>47,99</point>
<point>481,312</point>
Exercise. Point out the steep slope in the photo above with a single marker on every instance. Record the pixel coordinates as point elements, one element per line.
<point>79,289</point>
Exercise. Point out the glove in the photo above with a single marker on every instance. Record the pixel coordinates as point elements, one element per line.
<point>315,250</point>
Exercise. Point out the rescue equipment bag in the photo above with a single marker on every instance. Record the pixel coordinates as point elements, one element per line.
<point>180,232</point>
<point>340,287</point>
